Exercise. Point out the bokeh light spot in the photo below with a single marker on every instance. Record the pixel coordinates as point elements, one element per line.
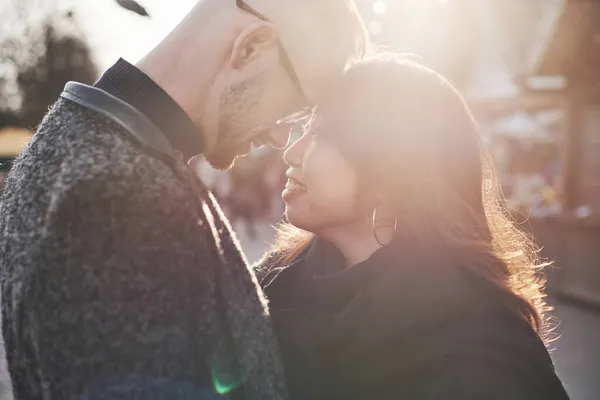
<point>379,7</point>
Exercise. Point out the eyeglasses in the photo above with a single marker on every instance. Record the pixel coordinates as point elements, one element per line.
<point>307,111</point>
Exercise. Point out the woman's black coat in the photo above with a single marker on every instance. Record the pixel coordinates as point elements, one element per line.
<point>401,327</point>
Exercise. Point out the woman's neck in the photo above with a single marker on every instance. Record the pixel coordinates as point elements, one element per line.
<point>356,243</point>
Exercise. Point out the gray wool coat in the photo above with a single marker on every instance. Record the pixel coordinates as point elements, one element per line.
<point>121,278</point>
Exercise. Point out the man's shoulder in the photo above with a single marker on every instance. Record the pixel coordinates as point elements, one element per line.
<point>78,159</point>
<point>74,146</point>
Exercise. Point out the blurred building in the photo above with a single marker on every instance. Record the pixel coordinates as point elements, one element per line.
<point>550,132</point>
<point>572,53</point>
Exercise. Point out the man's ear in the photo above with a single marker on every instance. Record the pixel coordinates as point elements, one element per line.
<point>251,42</point>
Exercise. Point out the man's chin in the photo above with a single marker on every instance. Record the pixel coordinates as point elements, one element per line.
<point>223,160</point>
<point>221,163</point>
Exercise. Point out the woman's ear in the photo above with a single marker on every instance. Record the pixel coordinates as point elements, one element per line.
<point>252,43</point>
<point>385,209</point>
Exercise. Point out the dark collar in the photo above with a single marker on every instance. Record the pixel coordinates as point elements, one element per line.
<point>326,260</point>
<point>131,85</point>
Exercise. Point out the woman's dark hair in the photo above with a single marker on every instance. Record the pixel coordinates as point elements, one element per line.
<point>412,139</point>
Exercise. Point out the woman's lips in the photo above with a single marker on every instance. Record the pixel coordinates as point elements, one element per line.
<point>293,188</point>
<point>295,184</point>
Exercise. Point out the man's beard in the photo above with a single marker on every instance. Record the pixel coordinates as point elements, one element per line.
<point>237,104</point>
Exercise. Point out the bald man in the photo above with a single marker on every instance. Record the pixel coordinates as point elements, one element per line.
<point>121,277</point>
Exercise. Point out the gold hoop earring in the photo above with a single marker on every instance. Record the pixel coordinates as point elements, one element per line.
<point>375,228</point>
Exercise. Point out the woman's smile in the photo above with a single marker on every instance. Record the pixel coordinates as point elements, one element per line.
<point>293,188</point>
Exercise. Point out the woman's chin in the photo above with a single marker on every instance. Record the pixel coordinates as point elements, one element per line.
<point>295,217</point>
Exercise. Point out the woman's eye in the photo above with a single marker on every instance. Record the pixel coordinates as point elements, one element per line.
<point>299,130</point>
<point>295,133</point>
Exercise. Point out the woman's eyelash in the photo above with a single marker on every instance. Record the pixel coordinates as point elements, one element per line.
<point>305,127</point>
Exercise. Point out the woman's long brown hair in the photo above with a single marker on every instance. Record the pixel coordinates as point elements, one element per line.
<point>410,136</point>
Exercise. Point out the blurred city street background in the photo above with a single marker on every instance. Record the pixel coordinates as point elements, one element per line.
<point>530,70</point>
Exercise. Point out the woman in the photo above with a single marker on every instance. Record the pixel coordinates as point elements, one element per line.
<point>401,277</point>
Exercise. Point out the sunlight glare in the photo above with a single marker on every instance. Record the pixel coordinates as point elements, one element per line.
<point>113,32</point>
<point>375,28</point>
<point>379,7</point>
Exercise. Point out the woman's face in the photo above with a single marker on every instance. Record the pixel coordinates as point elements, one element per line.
<point>322,188</point>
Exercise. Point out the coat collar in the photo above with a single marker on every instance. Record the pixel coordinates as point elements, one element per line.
<point>129,84</point>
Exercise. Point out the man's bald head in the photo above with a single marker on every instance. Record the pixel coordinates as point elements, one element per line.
<point>317,34</point>
<point>322,37</point>
<point>236,61</point>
